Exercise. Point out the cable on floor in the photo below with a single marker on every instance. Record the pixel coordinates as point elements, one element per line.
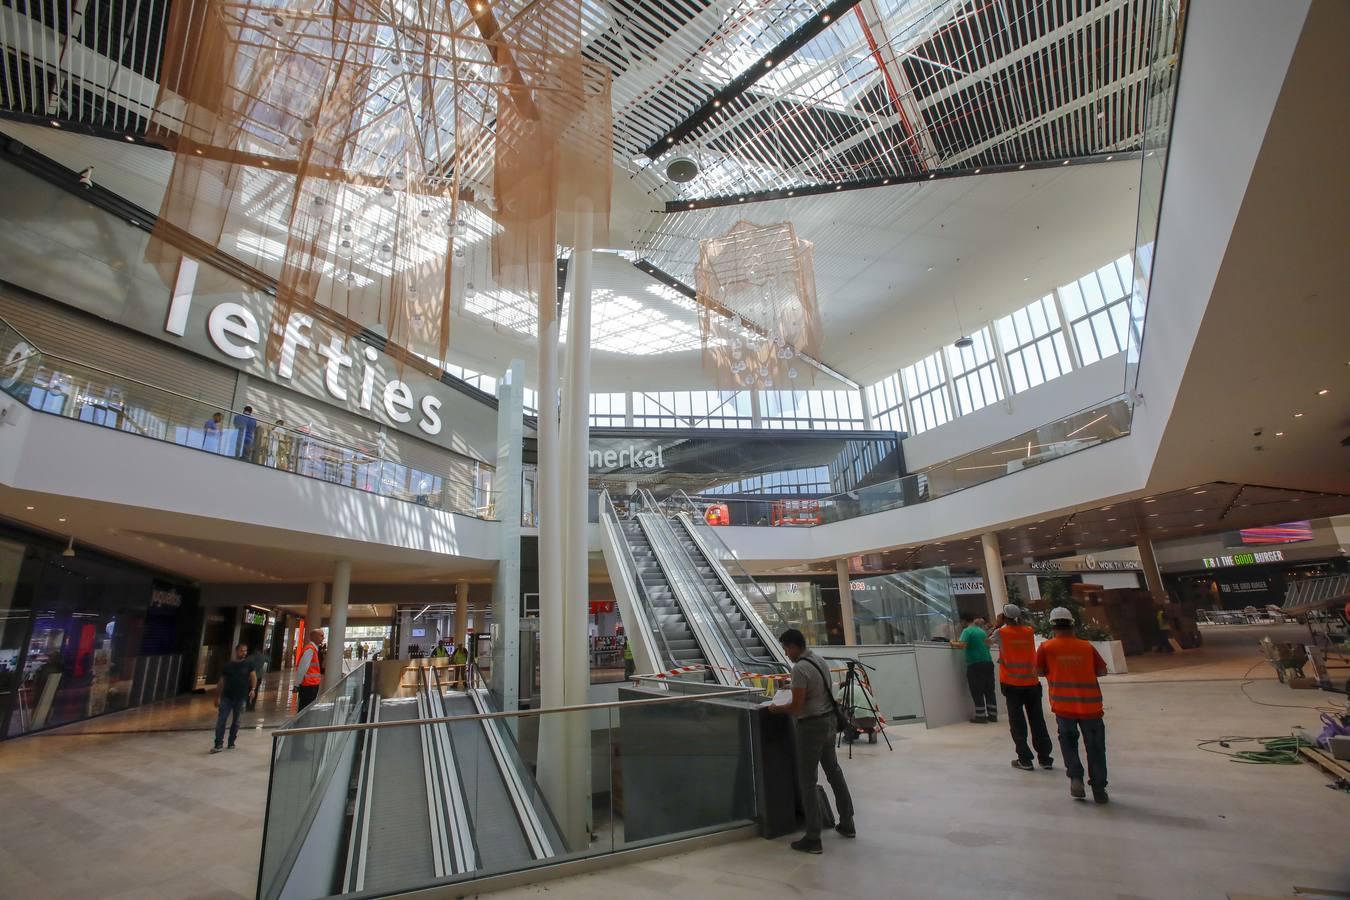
<point>1276,750</point>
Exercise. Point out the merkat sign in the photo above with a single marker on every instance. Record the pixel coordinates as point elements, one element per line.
<point>234,330</point>
<point>636,457</point>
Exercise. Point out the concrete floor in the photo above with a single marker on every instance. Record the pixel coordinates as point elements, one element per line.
<point>94,811</point>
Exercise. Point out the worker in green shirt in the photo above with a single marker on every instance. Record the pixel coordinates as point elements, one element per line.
<point>979,668</point>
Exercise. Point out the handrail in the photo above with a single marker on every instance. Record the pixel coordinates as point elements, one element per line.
<point>608,513</point>
<point>731,640</point>
<point>56,364</point>
<point>709,530</point>
<point>520,714</point>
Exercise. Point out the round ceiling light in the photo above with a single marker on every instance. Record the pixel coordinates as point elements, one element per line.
<point>681,170</point>
<point>965,341</point>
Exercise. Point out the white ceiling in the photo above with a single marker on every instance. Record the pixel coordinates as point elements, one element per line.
<point>993,243</point>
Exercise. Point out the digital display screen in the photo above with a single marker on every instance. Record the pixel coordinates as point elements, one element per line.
<point>1285,533</point>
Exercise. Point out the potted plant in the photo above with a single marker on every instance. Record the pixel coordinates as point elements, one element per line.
<point>1111,650</point>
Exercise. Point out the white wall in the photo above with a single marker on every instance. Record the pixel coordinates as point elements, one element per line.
<point>1078,390</point>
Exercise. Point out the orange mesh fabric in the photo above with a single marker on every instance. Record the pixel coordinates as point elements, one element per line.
<point>350,148</point>
<point>756,290</point>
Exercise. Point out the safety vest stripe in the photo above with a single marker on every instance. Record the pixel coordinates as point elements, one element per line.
<point>1019,666</point>
<point>1079,685</point>
<point>1086,698</point>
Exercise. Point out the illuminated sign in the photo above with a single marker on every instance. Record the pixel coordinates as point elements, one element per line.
<point>1243,559</point>
<point>1087,564</point>
<point>169,598</point>
<point>255,617</point>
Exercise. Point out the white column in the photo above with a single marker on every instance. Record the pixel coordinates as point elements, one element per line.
<point>568,784</point>
<point>995,585</point>
<point>461,612</point>
<point>845,602</point>
<point>313,609</point>
<point>551,645</point>
<point>337,623</point>
<point>756,417</point>
<point>1152,574</point>
<point>505,632</point>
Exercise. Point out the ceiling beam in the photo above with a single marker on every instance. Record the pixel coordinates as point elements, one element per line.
<point>747,79</point>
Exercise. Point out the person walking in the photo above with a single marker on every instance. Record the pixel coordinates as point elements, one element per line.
<point>1071,667</point>
<point>285,447</point>
<point>629,666</point>
<point>1022,689</point>
<point>246,428</point>
<point>979,668</point>
<point>236,684</point>
<point>258,663</point>
<point>814,710</point>
<point>311,671</point>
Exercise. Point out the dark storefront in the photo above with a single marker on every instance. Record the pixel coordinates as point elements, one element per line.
<point>86,634</point>
<point>1240,586</point>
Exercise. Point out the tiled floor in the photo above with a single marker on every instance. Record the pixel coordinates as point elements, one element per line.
<point>99,814</point>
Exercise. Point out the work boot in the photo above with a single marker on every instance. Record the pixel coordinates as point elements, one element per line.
<point>846,829</point>
<point>217,749</point>
<point>993,718</point>
<point>808,845</point>
<point>979,720</point>
<point>1099,795</point>
<point>1024,766</point>
<point>1048,762</point>
<point>1076,789</point>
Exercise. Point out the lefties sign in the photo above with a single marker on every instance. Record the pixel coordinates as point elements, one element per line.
<point>349,378</point>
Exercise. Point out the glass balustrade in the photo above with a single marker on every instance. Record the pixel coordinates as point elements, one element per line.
<point>63,387</point>
<point>495,793</point>
<point>1081,430</point>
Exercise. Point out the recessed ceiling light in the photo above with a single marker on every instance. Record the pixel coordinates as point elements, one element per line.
<point>1279,434</point>
<point>768,64</point>
<point>1026,277</point>
<point>1022,166</point>
<point>1199,510</point>
<point>1323,392</point>
<point>1298,415</point>
<point>789,193</point>
<point>55,124</point>
<point>129,138</point>
<point>887,181</point>
<point>1153,515</point>
<point>717,103</point>
<point>932,175</point>
<point>62,519</point>
<point>740,199</point>
<point>1201,491</point>
<point>838,187</point>
<point>1109,158</point>
<point>930,268</point>
<point>30,507</point>
<point>825,18</point>
<point>1066,162</point>
<point>1151,500</point>
<point>1200,525</point>
<point>977,171</point>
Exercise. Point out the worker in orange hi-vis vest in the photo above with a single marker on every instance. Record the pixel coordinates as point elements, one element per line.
<point>311,670</point>
<point>1071,667</point>
<point>1022,689</point>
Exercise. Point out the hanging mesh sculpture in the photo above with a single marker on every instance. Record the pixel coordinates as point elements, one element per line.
<point>756,289</point>
<point>354,149</point>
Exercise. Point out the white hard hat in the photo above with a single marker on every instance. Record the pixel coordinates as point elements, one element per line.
<point>1012,611</point>
<point>1060,614</point>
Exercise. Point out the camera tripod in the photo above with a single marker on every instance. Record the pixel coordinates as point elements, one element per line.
<point>852,688</point>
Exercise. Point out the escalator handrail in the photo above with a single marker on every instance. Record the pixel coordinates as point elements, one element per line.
<point>462,855</point>
<point>607,513</point>
<point>526,812</point>
<point>783,620</point>
<point>432,770</point>
<point>731,641</point>
<point>366,787</point>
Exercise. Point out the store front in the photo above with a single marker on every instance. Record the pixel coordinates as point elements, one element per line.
<point>84,635</point>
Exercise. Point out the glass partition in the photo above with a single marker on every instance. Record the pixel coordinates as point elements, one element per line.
<point>1168,30</point>
<point>484,794</point>
<point>66,388</point>
<point>303,765</point>
<point>903,607</point>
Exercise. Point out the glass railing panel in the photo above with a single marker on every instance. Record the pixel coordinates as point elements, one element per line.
<point>1079,431</point>
<point>303,766</point>
<point>87,394</point>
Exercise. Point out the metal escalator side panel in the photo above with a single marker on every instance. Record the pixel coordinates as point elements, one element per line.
<point>434,812</point>
<point>356,880</point>
<point>647,650</point>
<point>465,850</point>
<point>541,847</point>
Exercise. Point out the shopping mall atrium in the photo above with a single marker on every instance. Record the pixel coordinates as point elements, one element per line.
<point>542,431</point>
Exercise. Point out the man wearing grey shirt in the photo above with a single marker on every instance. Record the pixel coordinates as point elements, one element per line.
<point>813,707</point>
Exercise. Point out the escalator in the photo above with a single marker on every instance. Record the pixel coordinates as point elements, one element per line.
<point>679,605</point>
<point>440,799</point>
